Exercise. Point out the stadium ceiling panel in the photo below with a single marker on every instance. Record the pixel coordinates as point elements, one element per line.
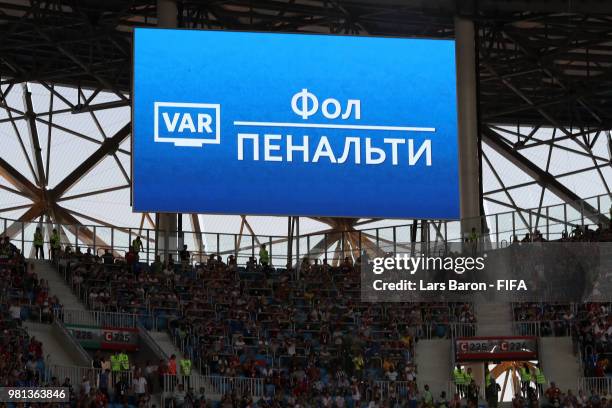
<point>544,86</point>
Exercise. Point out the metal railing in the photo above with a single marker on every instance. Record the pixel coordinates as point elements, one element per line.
<point>545,328</point>
<point>463,330</point>
<point>397,388</point>
<point>73,343</point>
<point>447,330</point>
<point>552,221</point>
<point>151,343</point>
<point>401,389</point>
<point>97,318</point>
<point>600,385</point>
<point>77,374</point>
<point>214,386</point>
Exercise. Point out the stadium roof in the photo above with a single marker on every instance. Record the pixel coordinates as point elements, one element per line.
<point>544,75</point>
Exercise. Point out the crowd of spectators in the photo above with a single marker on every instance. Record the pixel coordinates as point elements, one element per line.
<point>305,337</point>
<point>26,295</point>
<point>555,397</point>
<point>309,338</point>
<point>589,325</point>
<point>23,297</point>
<point>593,335</point>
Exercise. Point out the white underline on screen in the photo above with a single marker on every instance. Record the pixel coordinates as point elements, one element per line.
<point>332,126</point>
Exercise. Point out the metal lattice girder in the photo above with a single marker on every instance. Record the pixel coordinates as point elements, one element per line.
<point>195,222</point>
<point>88,43</point>
<point>84,233</point>
<point>16,227</point>
<point>542,177</point>
<point>30,116</point>
<point>18,180</point>
<point>108,147</point>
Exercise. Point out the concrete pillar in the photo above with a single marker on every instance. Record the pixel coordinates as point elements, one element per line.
<point>167,223</point>
<point>167,15</point>
<point>467,107</point>
<point>166,236</point>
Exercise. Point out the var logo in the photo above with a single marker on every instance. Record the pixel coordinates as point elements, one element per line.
<point>187,124</point>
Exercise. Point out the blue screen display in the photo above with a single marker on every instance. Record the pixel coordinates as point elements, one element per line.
<point>293,124</point>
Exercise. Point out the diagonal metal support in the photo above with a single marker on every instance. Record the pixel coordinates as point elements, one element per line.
<point>18,180</point>
<point>15,228</point>
<point>109,146</point>
<point>61,215</point>
<point>542,177</point>
<point>36,150</point>
<point>195,222</point>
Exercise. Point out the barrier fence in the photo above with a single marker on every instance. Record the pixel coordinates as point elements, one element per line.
<point>400,389</point>
<point>600,385</point>
<point>214,386</point>
<point>499,229</point>
<point>77,375</point>
<point>546,328</point>
<point>444,330</point>
<point>97,318</point>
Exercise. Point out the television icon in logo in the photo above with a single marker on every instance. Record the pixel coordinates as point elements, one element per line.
<point>187,124</point>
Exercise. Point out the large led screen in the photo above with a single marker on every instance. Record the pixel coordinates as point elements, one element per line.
<point>294,124</point>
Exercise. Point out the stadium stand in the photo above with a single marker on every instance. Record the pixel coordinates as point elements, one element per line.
<point>303,337</point>
<point>309,339</point>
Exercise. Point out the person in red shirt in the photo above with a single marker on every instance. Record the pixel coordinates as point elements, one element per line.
<point>130,256</point>
<point>162,370</point>
<point>553,393</point>
<point>172,365</point>
<point>172,370</point>
<point>101,399</point>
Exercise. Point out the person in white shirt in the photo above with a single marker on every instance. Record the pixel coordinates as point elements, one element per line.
<point>140,386</point>
<point>86,386</point>
<point>291,348</point>
<point>15,312</point>
<point>391,374</point>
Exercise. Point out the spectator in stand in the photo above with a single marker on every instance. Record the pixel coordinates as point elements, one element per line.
<point>179,396</point>
<point>264,258</point>
<point>131,259</point>
<point>492,391</point>
<point>162,371</point>
<point>553,394</point>
<point>38,241</point>
<point>107,257</point>
<point>156,266</point>
<point>137,245</point>
<point>149,372</point>
<point>121,391</point>
<point>186,366</point>
<point>104,381</point>
<point>55,244</point>
<point>140,387</point>
<point>473,391</point>
<point>15,312</point>
<point>185,257</point>
<point>172,369</point>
